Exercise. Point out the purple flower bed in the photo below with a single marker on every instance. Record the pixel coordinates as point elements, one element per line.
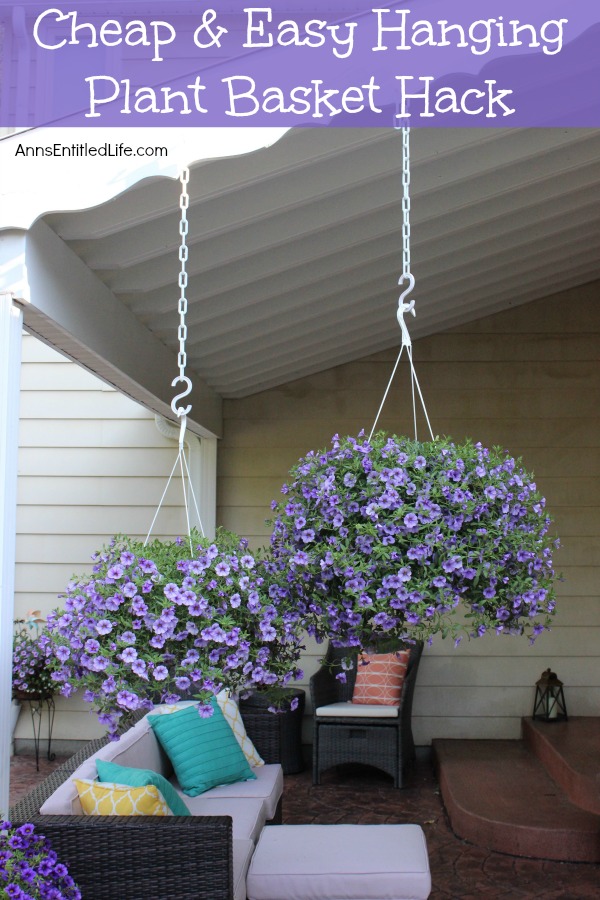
<point>396,538</point>
<point>29,867</point>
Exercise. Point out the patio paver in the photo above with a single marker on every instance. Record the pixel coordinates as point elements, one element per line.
<point>460,871</point>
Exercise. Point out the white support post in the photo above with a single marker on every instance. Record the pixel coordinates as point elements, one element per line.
<point>11,326</point>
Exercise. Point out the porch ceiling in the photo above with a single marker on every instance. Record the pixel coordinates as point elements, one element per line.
<point>295,250</point>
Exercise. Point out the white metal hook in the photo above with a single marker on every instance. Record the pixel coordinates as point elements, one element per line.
<point>405,308</point>
<point>406,292</point>
<point>180,410</point>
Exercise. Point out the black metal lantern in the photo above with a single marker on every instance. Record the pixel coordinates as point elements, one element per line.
<point>549,704</point>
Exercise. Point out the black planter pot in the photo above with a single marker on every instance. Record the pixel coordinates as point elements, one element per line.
<point>276,736</point>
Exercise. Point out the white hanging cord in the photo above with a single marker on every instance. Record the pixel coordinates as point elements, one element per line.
<point>164,494</point>
<point>403,307</point>
<point>180,411</point>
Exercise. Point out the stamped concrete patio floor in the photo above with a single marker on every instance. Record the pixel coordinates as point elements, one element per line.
<point>460,870</point>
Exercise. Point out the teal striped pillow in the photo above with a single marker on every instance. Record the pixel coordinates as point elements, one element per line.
<point>110,771</point>
<point>203,752</point>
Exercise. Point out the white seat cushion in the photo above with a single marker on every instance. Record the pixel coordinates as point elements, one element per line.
<point>268,787</point>
<point>358,710</point>
<point>248,815</point>
<point>328,862</point>
<point>242,854</point>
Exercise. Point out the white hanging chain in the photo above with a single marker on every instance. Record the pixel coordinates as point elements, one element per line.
<point>184,202</point>
<point>406,204</point>
<point>180,411</point>
<point>402,306</point>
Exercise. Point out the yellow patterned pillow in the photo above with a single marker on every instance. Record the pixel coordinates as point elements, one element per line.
<point>230,710</point>
<point>109,799</point>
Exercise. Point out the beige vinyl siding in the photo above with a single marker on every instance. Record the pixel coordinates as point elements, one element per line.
<point>91,464</point>
<point>527,379</point>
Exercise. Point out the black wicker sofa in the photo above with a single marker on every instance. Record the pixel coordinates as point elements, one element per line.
<point>141,857</point>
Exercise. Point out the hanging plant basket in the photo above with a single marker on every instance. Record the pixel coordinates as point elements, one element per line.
<point>167,621</point>
<point>397,538</point>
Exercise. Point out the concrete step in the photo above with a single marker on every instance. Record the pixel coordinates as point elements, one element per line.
<point>499,796</point>
<point>570,753</point>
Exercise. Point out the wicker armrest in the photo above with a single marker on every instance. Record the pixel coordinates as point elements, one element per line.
<point>145,856</point>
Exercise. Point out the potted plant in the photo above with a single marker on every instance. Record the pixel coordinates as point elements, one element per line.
<point>168,621</point>
<point>29,867</point>
<point>393,538</point>
<point>31,675</point>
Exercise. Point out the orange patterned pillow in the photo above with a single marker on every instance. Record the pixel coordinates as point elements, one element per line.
<point>379,678</point>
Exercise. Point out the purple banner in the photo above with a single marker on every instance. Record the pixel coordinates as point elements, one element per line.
<point>427,63</point>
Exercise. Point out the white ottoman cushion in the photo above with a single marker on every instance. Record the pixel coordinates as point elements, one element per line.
<point>340,862</point>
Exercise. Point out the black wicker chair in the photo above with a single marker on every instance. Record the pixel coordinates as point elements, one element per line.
<point>384,743</point>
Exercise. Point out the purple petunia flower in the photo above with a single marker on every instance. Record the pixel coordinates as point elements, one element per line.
<point>171,592</point>
<point>160,673</point>
<point>139,667</point>
<point>128,700</point>
<point>300,558</point>
<point>267,631</point>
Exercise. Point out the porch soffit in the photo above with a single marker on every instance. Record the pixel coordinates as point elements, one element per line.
<point>295,250</point>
